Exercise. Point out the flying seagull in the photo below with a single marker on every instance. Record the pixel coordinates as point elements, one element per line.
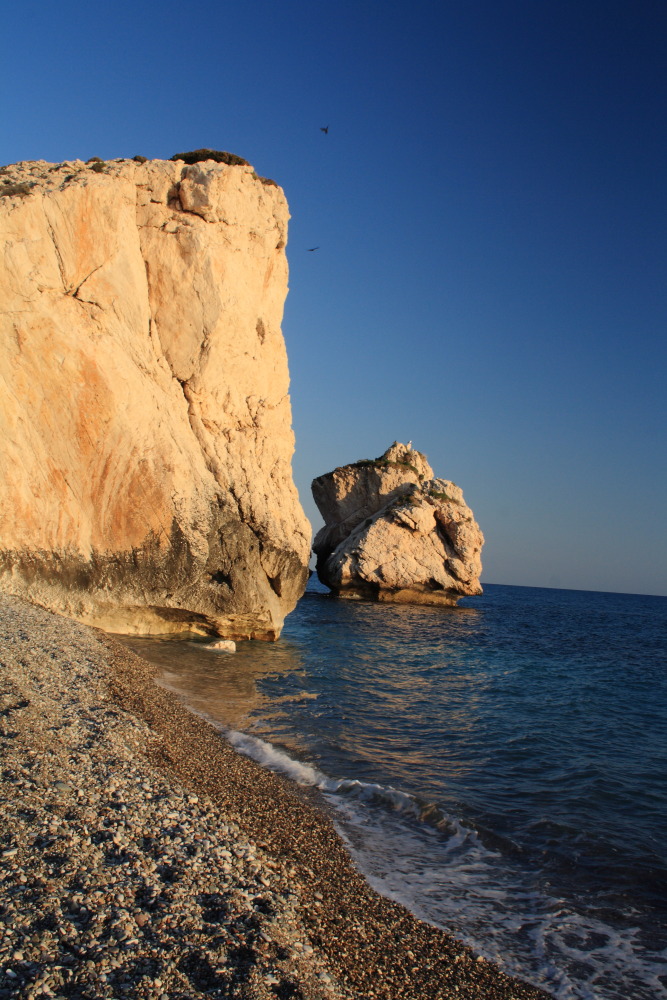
<point>310,249</point>
<point>325,129</point>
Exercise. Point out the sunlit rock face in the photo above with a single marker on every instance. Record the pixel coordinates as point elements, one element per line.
<point>393,532</point>
<point>145,421</point>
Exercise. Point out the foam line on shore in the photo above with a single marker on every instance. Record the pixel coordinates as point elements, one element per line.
<point>394,799</point>
<point>81,701</point>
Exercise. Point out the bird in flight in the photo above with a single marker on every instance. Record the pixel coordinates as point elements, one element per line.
<point>310,249</point>
<point>324,129</point>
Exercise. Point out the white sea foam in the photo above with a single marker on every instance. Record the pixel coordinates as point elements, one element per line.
<point>276,760</point>
<point>304,774</point>
<point>446,876</point>
<point>441,870</point>
<point>470,891</point>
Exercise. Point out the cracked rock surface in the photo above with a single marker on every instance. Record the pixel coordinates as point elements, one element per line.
<point>145,422</point>
<point>393,532</point>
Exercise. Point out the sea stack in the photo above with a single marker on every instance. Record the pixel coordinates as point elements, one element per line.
<point>393,532</point>
<point>145,421</point>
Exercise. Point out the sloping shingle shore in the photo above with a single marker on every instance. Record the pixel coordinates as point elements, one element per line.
<point>141,856</point>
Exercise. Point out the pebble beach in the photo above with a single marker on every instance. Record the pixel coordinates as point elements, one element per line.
<point>141,856</point>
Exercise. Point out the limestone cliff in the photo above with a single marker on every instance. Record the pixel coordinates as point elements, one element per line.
<point>145,422</point>
<point>393,532</point>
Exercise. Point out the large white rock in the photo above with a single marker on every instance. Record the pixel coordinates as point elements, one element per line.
<point>394,533</point>
<point>145,422</point>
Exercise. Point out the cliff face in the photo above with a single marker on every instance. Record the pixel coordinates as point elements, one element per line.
<point>145,422</point>
<point>392,532</point>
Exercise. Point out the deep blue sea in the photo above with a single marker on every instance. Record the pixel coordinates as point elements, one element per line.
<point>499,767</point>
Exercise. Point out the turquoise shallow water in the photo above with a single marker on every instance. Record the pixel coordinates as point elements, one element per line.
<point>500,767</point>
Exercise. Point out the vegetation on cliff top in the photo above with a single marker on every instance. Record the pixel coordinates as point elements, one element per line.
<point>382,462</point>
<point>9,190</point>
<point>219,156</point>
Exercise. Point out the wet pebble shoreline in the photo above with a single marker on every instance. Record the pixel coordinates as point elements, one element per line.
<point>141,857</point>
<point>113,881</point>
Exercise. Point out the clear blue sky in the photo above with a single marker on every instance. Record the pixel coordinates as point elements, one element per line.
<point>491,209</point>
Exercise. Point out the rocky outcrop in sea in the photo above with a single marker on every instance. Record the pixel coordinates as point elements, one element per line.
<point>393,532</point>
<point>145,421</point>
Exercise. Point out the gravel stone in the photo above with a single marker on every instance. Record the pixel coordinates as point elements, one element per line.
<point>141,857</point>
